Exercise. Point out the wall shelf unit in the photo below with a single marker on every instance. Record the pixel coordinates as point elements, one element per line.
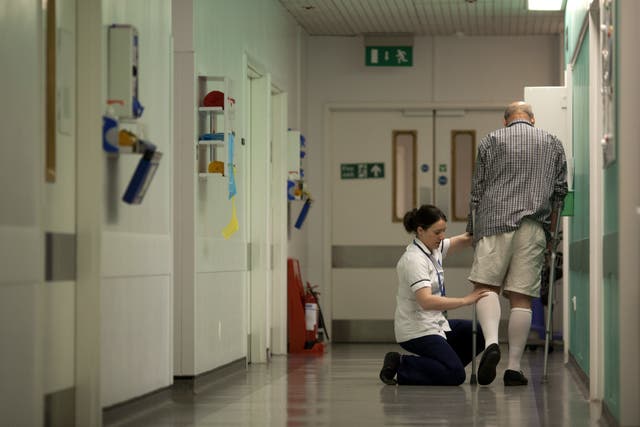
<point>214,124</point>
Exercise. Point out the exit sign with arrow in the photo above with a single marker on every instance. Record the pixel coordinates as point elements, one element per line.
<point>361,170</point>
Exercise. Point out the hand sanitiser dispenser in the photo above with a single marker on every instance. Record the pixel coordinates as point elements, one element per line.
<point>143,174</point>
<point>123,71</point>
<point>124,107</point>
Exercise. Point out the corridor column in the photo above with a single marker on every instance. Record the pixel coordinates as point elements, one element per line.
<point>90,202</point>
<point>629,210</point>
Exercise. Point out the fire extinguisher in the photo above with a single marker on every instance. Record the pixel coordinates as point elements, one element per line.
<point>311,318</point>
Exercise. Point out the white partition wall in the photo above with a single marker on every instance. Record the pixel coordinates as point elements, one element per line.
<point>214,318</point>
<point>21,224</point>
<point>89,193</point>
<point>260,213</point>
<point>552,111</point>
<point>136,243</point>
<point>629,212</point>
<point>278,224</point>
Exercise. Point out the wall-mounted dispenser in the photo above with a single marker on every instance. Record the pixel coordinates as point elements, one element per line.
<point>143,174</point>
<point>123,71</point>
<point>124,107</point>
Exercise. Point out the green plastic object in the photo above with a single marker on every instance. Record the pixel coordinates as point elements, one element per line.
<point>567,210</point>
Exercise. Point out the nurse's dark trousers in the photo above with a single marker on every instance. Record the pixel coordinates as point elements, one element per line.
<point>439,361</point>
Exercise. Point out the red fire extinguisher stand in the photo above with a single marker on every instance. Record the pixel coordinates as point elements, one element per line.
<point>302,313</point>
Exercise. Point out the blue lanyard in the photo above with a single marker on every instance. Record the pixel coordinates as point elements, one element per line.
<point>435,265</point>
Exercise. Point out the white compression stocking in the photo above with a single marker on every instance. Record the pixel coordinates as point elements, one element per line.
<point>488,310</point>
<point>519,325</point>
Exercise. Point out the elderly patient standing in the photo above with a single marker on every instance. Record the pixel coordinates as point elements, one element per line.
<point>518,181</point>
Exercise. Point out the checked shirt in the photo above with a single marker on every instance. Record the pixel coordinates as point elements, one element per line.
<point>520,172</point>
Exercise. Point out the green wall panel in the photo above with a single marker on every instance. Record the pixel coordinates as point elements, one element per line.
<point>576,10</point>
<point>579,225</point>
<point>611,281</point>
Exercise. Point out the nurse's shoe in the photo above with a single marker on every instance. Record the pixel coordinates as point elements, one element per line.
<point>390,368</point>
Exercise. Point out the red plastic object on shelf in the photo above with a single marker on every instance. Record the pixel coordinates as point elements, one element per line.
<point>215,98</point>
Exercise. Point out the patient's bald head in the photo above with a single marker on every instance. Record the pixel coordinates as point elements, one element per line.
<point>518,110</point>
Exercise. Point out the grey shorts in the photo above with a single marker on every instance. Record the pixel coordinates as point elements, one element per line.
<point>512,261</point>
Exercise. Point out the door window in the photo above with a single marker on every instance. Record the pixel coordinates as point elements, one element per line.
<point>463,144</point>
<point>404,173</point>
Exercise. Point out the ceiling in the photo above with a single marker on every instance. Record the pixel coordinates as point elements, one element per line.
<point>423,17</point>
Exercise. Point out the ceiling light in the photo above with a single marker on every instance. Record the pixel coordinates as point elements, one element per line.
<point>544,4</point>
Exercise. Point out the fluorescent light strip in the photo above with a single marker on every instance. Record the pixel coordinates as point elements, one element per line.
<point>544,4</point>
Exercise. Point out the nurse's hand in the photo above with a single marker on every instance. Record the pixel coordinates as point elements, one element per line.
<point>475,295</point>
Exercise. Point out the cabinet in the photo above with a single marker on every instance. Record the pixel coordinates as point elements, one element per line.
<point>214,125</point>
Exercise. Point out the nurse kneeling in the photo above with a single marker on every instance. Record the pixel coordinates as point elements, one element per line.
<point>440,348</point>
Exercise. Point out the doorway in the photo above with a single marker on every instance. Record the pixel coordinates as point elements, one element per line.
<point>367,236</point>
<point>258,204</point>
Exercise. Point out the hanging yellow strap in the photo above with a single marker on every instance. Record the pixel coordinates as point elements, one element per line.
<point>233,225</point>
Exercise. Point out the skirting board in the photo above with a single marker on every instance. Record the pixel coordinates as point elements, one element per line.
<point>378,331</point>
<point>60,408</point>
<point>189,384</point>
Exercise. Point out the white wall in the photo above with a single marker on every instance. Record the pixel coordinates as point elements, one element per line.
<point>59,210</point>
<point>474,70</point>
<point>21,238</point>
<point>136,285</point>
<point>212,321</point>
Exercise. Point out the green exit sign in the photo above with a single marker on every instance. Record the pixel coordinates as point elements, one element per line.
<point>389,56</point>
<point>361,170</point>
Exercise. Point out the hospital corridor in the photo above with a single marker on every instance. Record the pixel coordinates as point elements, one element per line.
<point>242,213</point>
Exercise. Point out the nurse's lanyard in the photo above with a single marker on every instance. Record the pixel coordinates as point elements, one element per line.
<point>435,265</point>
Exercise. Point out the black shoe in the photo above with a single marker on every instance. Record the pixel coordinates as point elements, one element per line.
<point>488,363</point>
<point>390,368</point>
<point>512,378</point>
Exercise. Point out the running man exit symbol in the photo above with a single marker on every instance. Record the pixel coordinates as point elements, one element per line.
<point>362,170</point>
<point>389,56</point>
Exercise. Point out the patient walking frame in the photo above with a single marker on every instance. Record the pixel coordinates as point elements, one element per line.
<point>552,279</point>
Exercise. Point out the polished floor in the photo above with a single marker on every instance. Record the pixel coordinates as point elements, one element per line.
<point>341,388</point>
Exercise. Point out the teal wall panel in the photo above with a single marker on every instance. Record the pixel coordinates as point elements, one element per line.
<point>579,319</point>
<point>579,225</point>
<point>611,281</point>
<point>576,10</point>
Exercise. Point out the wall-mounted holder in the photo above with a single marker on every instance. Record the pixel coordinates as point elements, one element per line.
<point>110,134</point>
<point>215,112</point>
<point>116,141</point>
<point>296,190</point>
<point>143,174</point>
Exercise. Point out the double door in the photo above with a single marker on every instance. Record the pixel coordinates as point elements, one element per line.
<point>383,163</point>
